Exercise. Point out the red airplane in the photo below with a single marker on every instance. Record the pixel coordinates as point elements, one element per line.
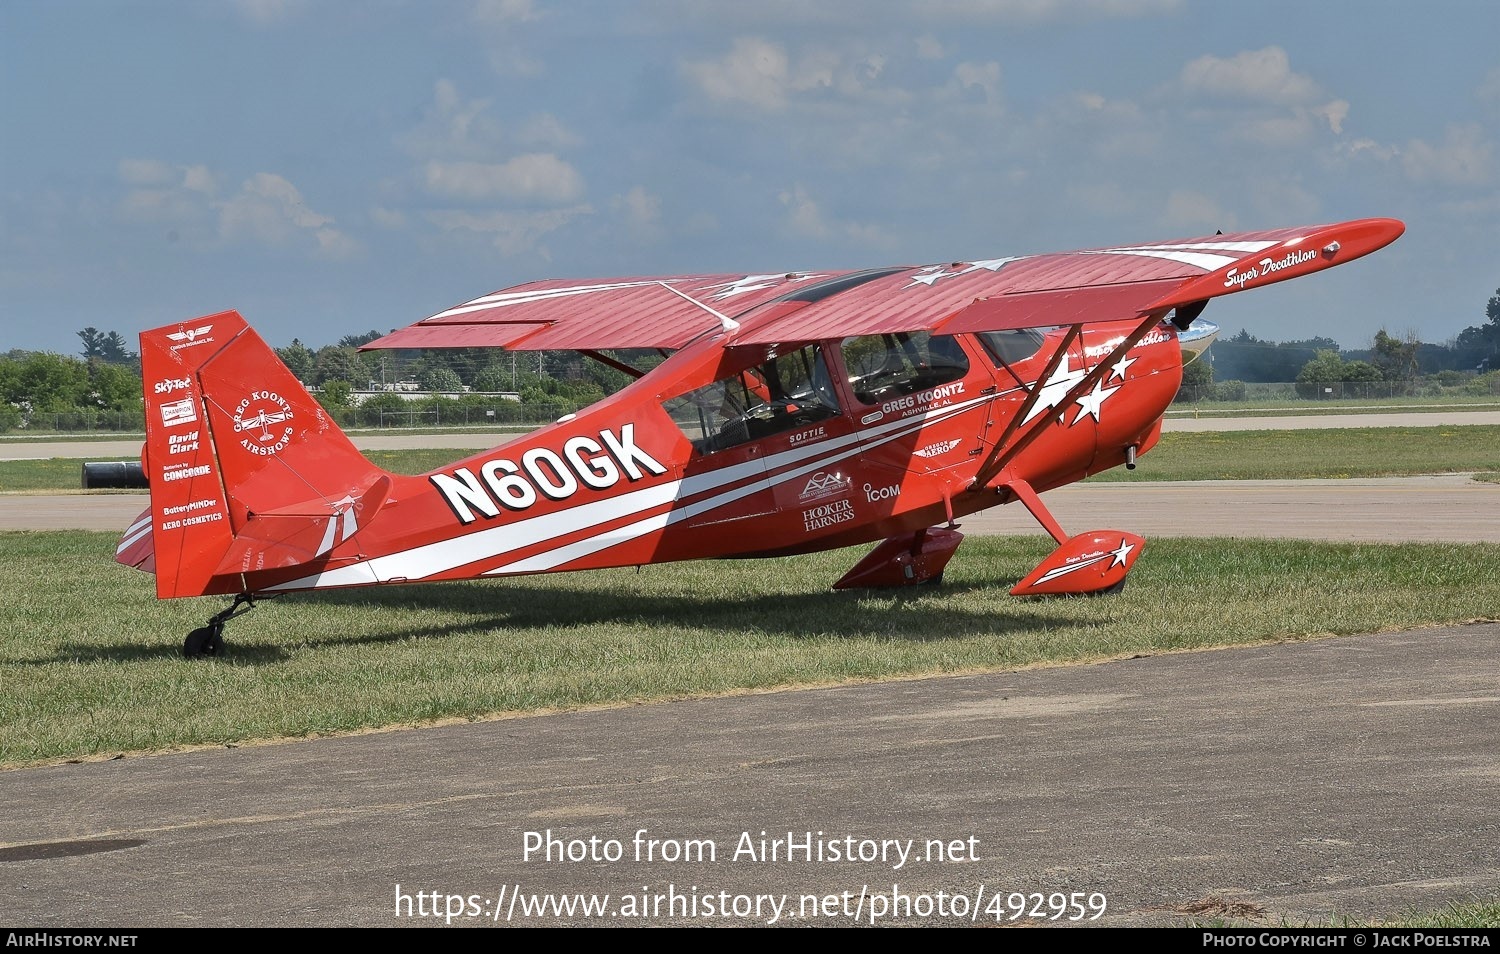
<point>793,412</point>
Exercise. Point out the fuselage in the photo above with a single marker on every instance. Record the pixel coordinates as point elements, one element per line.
<point>759,451</point>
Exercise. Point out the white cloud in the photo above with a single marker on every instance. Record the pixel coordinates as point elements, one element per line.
<point>929,47</point>
<point>977,79</point>
<point>1489,88</point>
<point>1258,75</point>
<point>754,71</point>
<point>511,233</point>
<point>267,12</point>
<point>641,210</point>
<point>1197,213</point>
<point>387,218</point>
<point>505,11</point>
<point>1463,158</point>
<point>453,127</point>
<point>267,210</point>
<point>1334,113</point>
<point>533,177</point>
<point>803,215</point>
<point>547,131</point>
<point>498,24</point>
<point>147,172</point>
<point>806,220</point>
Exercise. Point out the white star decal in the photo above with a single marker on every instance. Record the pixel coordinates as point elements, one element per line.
<point>1121,553</point>
<point>1090,403</point>
<point>932,273</point>
<point>752,283</point>
<point>1056,388</point>
<point>1117,370</point>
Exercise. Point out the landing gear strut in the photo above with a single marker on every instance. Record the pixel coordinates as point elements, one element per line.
<point>209,640</point>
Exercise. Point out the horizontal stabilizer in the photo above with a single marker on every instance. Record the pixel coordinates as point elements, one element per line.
<point>303,532</point>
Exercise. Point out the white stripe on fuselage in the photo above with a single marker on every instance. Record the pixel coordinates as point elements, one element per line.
<point>582,548</point>
<point>433,558</point>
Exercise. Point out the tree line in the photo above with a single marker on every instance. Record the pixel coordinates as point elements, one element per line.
<point>103,382</point>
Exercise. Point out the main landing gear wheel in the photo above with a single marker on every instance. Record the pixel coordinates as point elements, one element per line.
<point>209,640</point>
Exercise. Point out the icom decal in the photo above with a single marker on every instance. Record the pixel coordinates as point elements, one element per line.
<point>877,494</point>
<point>583,462</point>
<point>827,515</point>
<point>259,418</point>
<point>174,413</point>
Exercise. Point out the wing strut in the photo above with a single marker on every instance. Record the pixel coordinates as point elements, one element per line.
<point>1004,452</point>
<point>726,322</point>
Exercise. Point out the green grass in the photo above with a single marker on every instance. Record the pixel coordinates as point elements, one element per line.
<point>91,666</point>
<point>1338,452</point>
<point>1292,407</point>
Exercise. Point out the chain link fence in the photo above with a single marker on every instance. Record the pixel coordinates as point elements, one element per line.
<point>1315,391</point>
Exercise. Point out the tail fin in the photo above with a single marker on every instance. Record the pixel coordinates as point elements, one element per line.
<point>247,471</point>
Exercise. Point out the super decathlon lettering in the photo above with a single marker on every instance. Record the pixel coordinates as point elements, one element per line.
<point>1266,266</point>
<point>501,483</point>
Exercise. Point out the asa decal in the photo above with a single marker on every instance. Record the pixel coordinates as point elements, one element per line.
<point>582,462</point>
<point>823,485</point>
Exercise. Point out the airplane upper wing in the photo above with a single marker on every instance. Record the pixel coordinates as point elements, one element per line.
<point>599,314</point>
<point>1102,284</point>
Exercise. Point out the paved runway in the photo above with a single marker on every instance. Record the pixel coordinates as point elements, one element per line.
<point>1349,776</point>
<point>1451,508</point>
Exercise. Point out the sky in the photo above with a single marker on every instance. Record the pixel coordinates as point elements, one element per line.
<point>331,167</point>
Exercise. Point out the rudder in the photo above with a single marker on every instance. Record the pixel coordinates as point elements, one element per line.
<point>247,470</point>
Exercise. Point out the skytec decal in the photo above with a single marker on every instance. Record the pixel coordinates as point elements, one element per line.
<point>556,476</point>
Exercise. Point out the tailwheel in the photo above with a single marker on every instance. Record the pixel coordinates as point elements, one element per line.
<point>209,640</point>
<point>204,641</point>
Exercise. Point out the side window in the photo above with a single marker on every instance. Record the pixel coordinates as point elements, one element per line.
<point>882,367</point>
<point>1014,345</point>
<point>786,392</point>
